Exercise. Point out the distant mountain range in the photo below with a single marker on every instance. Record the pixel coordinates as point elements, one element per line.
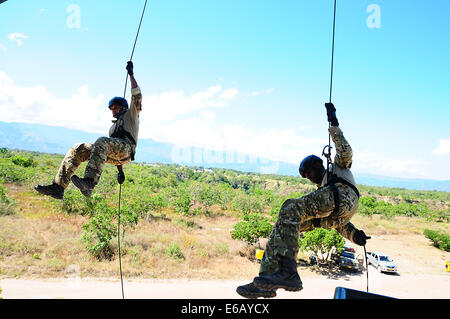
<point>52,139</point>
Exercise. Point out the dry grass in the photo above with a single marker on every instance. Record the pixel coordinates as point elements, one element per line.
<point>39,242</point>
<point>398,225</point>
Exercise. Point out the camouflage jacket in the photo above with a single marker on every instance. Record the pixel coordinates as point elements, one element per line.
<point>131,117</point>
<point>343,159</point>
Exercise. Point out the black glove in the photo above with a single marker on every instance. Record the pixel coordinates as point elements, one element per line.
<point>316,222</point>
<point>360,238</point>
<point>120,177</point>
<point>331,113</point>
<point>130,68</point>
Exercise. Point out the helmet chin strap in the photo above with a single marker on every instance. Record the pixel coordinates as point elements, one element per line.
<point>122,111</point>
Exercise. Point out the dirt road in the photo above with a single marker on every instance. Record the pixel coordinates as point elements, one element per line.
<point>315,287</point>
<point>421,276</point>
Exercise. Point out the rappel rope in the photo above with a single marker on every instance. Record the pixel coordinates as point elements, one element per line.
<point>120,188</point>
<point>325,153</point>
<point>118,241</point>
<point>367,268</point>
<point>134,46</point>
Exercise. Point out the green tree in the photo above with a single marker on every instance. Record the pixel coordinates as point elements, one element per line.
<point>183,201</point>
<point>157,202</point>
<point>252,227</point>
<point>247,204</point>
<point>209,195</point>
<point>322,242</point>
<point>225,195</point>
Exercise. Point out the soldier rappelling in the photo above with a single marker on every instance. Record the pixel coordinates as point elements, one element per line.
<point>332,205</point>
<point>117,149</point>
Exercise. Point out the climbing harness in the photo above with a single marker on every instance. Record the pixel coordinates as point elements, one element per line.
<point>120,189</point>
<point>333,179</point>
<point>120,132</point>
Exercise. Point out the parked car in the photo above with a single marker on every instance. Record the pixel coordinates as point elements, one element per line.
<point>349,249</point>
<point>346,260</point>
<point>382,262</point>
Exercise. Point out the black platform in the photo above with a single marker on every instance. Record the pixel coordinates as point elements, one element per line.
<point>345,293</point>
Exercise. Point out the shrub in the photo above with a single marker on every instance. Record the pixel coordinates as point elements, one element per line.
<point>102,227</point>
<point>367,205</point>
<point>439,239</point>
<point>253,227</point>
<point>4,152</point>
<point>76,203</point>
<point>23,161</point>
<point>6,204</point>
<point>183,202</point>
<point>98,233</point>
<point>174,251</point>
<point>247,204</point>
<point>12,173</point>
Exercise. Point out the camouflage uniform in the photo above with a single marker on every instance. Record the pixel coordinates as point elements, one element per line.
<point>314,210</point>
<point>111,150</point>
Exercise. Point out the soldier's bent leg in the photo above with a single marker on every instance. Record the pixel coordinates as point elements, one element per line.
<point>75,156</point>
<point>283,240</point>
<point>270,260</point>
<point>105,150</point>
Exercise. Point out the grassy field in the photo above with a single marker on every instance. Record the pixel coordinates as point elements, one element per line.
<point>178,220</point>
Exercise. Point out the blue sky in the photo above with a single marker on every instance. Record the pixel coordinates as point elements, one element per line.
<point>245,76</point>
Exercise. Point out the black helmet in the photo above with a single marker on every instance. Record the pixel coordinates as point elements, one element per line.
<point>120,101</point>
<point>309,162</point>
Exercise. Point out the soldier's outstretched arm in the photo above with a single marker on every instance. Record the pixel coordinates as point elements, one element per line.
<point>353,234</point>
<point>344,151</point>
<point>136,95</point>
<point>130,69</point>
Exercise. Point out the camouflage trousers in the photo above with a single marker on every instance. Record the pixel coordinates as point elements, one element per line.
<point>304,214</point>
<point>115,151</point>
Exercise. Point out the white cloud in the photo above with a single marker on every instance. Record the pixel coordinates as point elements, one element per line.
<point>190,120</point>
<point>443,148</point>
<point>262,92</point>
<point>173,117</point>
<point>167,106</point>
<point>17,37</point>
<point>385,165</point>
<point>204,131</point>
<point>229,94</point>
<point>37,105</point>
<point>2,47</point>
